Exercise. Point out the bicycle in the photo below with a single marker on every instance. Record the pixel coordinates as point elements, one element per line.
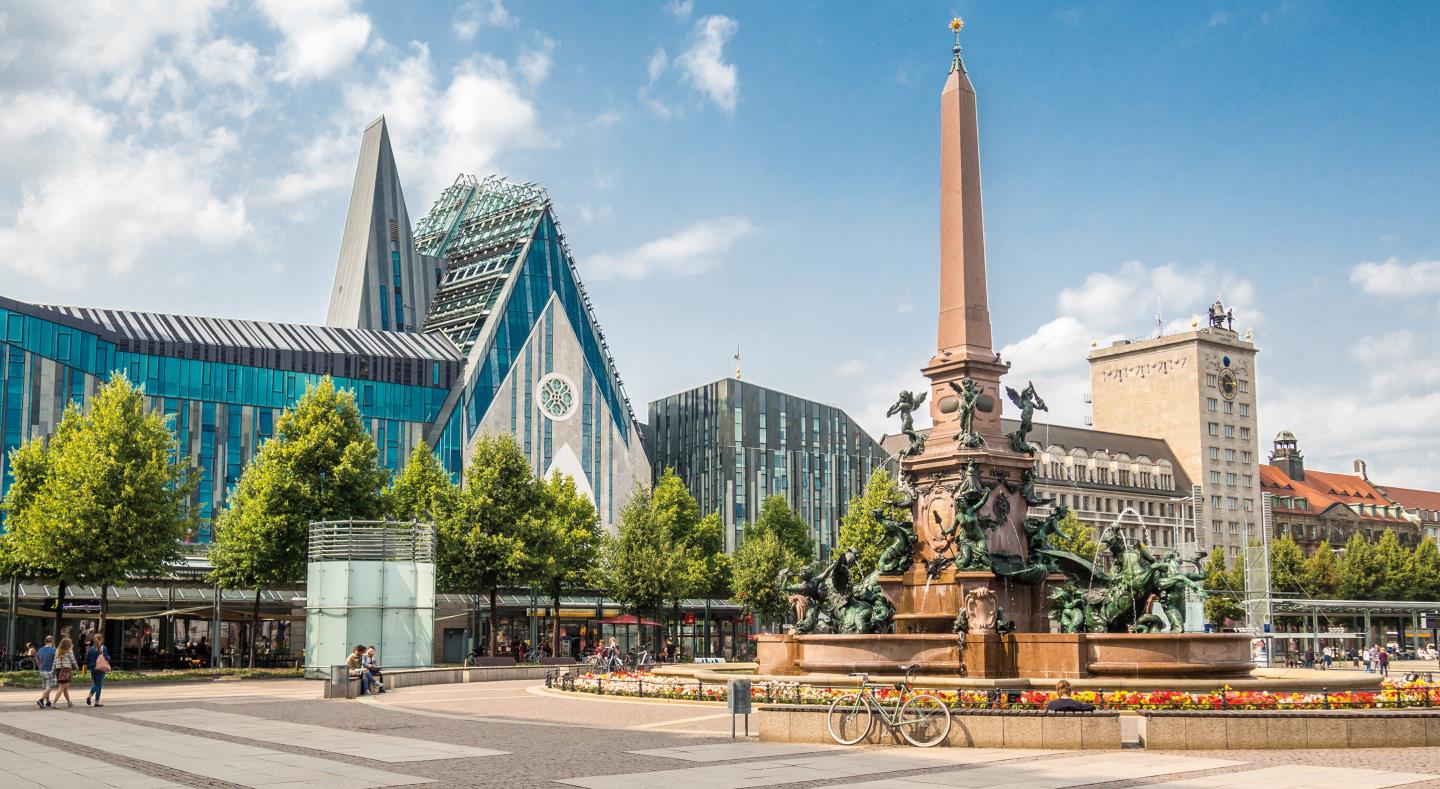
<point>640,660</point>
<point>922,719</point>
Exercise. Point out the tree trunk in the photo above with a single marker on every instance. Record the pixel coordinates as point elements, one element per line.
<point>59,610</point>
<point>555,640</point>
<point>254,627</point>
<point>104,606</point>
<point>494,620</point>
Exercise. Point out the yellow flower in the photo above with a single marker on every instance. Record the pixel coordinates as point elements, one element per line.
<point>957,24</point>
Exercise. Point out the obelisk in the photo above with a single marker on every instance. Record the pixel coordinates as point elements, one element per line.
<point>964,347</point>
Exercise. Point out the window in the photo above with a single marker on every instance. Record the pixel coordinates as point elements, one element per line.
<point>1214,453</point>
<point>1232,503</point>
<point>1244,385</point>
<point>1244,409</point>
<point>1234,527</point>
<point>1245,456</point>
<point>1215,525</point>
<point>1213,428</point>
<point>1229,431</point>
<point>1214,478</point>
<point>1210,403</point>
<point>1210,381</point>
<point>1230,479</point>
<point>1229,407</point>
<point>1245,433</point>
<point>1229,456</point>
<point>1248,480</point>
<point>1249,505</point>
<point>1215,502</point>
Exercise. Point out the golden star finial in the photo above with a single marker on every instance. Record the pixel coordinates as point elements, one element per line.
<point>957,24</point>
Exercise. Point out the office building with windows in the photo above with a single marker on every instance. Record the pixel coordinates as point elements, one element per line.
<point>1196,390</point>
<point>734,443</point>
<point>475,322</point>
<point>1109,480</point>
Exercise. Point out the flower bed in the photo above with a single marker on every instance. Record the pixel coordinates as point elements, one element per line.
<point>1392,695</point>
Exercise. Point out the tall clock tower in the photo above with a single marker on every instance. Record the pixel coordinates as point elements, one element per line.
<point>1197,391</point>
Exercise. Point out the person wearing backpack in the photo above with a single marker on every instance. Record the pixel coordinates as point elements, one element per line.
<point>97,658</point>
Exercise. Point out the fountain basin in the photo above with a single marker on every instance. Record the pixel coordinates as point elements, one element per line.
<point>1037,655</point>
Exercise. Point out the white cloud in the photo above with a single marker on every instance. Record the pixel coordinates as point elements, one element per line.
<point>850,368</point>
<point>1217,19</point>
<point>1108,306</point>
<point>680,8</point>
<point>704,62</point>
<point>1393,278</point>
<point>227,61</point>
<point>318,37</point>
<point>129,199</point>
<point>692,250</point>
<point>533,65</point>
<point>480,13</point>
<point>655,66</point>
<point>106,38</point>
<point>438,130</point>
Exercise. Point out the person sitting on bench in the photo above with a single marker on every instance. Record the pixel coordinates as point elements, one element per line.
<point>1063,703</point>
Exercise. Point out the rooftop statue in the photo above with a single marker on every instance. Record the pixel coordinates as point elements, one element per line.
<point>1221,318</point>
<point>905,406</point>
<point>1028,402</point>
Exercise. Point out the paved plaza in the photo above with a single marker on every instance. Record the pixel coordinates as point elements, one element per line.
<point>275,734</point>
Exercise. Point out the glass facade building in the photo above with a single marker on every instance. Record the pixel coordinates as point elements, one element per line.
<point>476,322</point>
<point>735,443</point>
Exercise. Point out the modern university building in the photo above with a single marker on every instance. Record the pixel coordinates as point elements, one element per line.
<point>473,322</point>
<point>477,322</point>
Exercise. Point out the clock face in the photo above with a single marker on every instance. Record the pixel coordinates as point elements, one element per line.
<point>1228,387</point>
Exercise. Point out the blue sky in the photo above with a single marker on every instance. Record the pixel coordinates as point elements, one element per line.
<point>765,174</point>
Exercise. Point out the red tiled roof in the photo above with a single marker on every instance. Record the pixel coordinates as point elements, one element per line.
<point>1323,490</point>
<point>1413,499</point>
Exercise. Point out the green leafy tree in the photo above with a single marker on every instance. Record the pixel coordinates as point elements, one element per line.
<point>320,466</point>
<point>1225,589</point>
<point>484,545</point>
<point>860,529</point>
<point>1361,574</point>
<point>642,563</point>
<point>1424,571</point>
<point>1322,572</point>
<point>1287,567</point>
<point>567,547</point>
<point>1076,537</point>
<point>107,499</point>
<point>422,491</point>
<point>698,543</point>
<point>777,518</point>
<point>1393,560</point>
<point>758,562</point>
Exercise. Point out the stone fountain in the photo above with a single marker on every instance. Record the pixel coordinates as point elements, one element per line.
<point>970,585</point>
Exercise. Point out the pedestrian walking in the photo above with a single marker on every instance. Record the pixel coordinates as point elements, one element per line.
<point>65,668</point>
<point>97,659</point>
<point>45,662</point>
<point>1327,655</point>
<point>1384,657</point>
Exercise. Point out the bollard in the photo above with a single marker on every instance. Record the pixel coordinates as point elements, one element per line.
<point>1326,691</point>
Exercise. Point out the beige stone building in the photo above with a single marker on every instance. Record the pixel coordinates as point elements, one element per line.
<point>1195,390</point>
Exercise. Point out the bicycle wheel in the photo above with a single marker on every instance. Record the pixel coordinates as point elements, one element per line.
<point>924,720</point>
<point>850,719</point>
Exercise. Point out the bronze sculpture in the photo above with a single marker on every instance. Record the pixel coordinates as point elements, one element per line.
<point>1028,402</point>
<point>905,406</point>
<point>968,393</point>
<point>967,529</point>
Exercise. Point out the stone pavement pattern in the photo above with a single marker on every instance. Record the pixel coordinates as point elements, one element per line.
<point>513,735</point>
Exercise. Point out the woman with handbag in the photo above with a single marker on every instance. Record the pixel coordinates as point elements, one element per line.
<point>65,667</point>
<point>97,657</point>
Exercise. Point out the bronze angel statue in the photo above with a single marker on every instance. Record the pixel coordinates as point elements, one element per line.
<point>1028,402</point>
<point>905,406</point>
